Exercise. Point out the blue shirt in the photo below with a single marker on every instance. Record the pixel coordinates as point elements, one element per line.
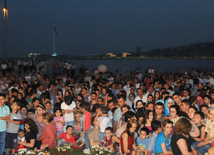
<point>117,115</point>
<point>143,143</point>
<point>4,111</point>
<point>160,140</point>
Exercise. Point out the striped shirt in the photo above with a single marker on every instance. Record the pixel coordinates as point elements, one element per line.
<point>59,126</point>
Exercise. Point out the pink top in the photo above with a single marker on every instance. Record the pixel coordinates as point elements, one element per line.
<point>59,126</point>
<point>87,120</point>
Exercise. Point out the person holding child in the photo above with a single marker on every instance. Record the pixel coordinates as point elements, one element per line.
<point>104,121</point>
<point>30,135</point>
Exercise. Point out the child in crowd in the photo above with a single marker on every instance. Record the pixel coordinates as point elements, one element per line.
<point>86,122</point>
<point>66,137</point>
<point>21,138</point>
<point>59,121</point>
<point>156,127</point>
<point>192,110</point>
<point>202,146</point>
<point>13,127</point>
<point>107,142</point>
<point>198,119</point>
<point>104,121</point>
<point>31,113</point>
<point>204,109</point>
<point>68,108</point>
<point>143,141</point>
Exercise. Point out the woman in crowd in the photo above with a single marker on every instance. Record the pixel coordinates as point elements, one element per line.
<point>30,135</point>
<point>156,96</point>
<point>179,142</point>
<point>148,119</point>
<point>127,141</point>
<point>49,133</point>
<point>40,109</point>
<point>163,140</point>
<point>94,133</point>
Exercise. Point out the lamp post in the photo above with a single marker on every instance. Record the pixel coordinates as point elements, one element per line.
<point>5,33</point>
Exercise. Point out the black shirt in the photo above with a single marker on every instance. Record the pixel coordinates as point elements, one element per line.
<point>30,135</point>
<point>174,146</point>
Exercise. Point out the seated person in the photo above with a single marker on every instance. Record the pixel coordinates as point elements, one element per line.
<point>66,137</point>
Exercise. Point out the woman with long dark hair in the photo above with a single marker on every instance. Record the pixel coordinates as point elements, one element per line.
<point>31,134</point>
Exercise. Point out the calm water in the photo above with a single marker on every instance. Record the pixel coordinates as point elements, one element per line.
<point>159,65</point>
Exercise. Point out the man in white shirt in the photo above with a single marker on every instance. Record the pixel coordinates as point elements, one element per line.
<point>139,97</point>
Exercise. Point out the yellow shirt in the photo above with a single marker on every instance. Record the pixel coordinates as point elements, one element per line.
<point>210,128</point>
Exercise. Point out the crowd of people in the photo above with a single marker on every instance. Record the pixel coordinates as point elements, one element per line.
<point>149,113</point>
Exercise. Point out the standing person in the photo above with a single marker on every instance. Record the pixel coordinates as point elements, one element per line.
<point>104,121</point>
<point>59,121</point>
<point>68,108</point>
<point>13,127</point>
<point>127,141</point>
<point>86,122</point>
<point>179,142</point>
<point>163,140</point>
<point>4,116</point>
<point>40,109</point>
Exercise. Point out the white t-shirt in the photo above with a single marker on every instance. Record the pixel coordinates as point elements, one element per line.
<point>68,117</point>
<point>104,123</point>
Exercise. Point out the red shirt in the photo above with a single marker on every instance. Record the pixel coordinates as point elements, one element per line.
<point>130,142</point>
<point>87,120</point>
<point>64,136</point>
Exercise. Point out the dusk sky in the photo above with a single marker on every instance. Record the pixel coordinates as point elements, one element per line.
<point>101,26</point>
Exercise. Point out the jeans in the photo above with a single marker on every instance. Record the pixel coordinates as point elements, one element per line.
<point>2,142</point>
<point>203,149</point>
<point>87,142</point>
<point>72,123</point>
<point>102,135</point>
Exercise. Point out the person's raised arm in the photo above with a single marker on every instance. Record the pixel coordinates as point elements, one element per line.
<point>196,132</point>
<point>183,147</point>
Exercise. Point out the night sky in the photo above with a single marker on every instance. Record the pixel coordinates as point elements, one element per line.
<point>101,26</point>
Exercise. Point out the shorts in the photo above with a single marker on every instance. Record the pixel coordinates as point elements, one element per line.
<point>11,140</point>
